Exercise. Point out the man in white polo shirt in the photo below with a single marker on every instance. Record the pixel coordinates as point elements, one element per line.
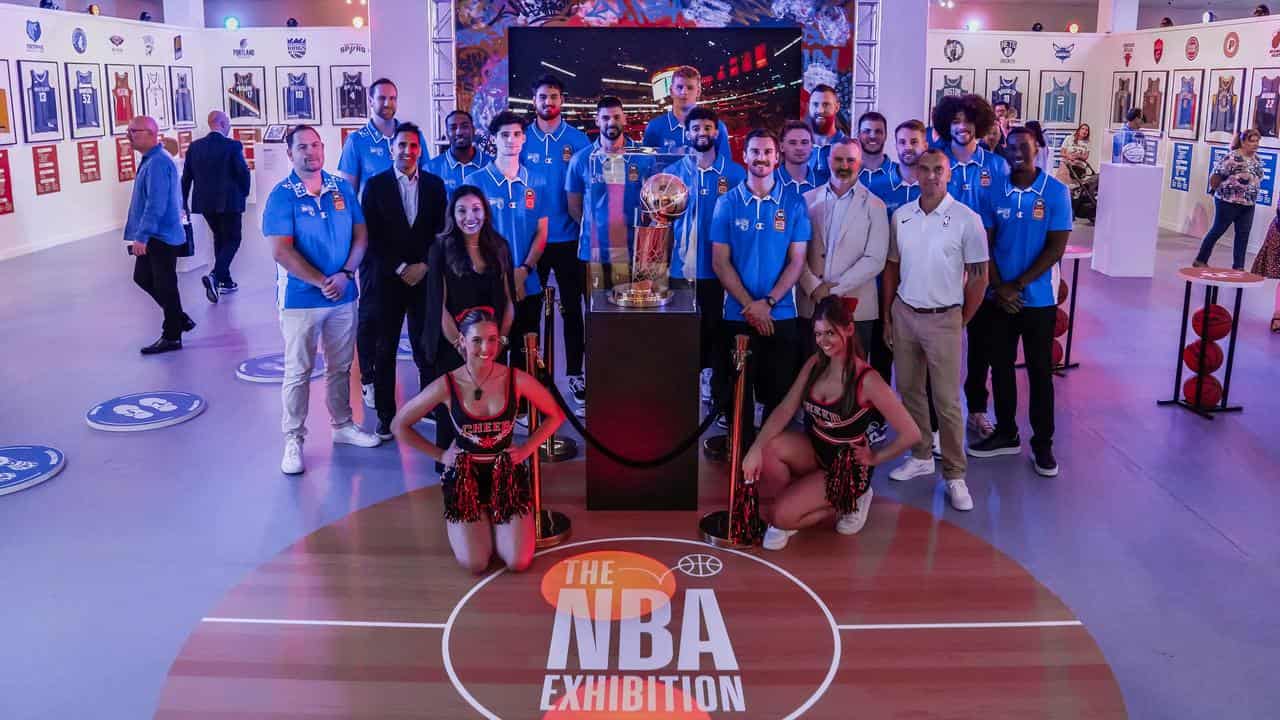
<point>934,280</point>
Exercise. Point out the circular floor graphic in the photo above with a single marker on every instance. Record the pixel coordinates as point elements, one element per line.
<point>145,411</point>
<point>635,619</point>
<point>270,368</point>
<point>23,466</point>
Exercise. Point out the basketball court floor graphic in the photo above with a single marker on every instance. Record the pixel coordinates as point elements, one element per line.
<point>634,618</point>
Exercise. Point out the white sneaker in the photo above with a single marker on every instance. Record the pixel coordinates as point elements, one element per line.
<point>853,522</point>
<point>291,463</point>
<point>912,468</point>
<point>704,385</point>
<point>979,424</point>
<point>937,445</point>
<point>959,494</point>
<point>775,539</point>
<point>366,392</point>
<point>350,434</point>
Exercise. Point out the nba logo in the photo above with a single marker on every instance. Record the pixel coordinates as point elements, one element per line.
<point>33,30</point>
<point>1008,47</point>
<point>297,47</point>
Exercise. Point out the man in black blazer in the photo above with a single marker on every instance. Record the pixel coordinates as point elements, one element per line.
<point>215,166</point>
<point>404,210</point>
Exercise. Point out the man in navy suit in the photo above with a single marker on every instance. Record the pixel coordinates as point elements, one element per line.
<point>216,168</point>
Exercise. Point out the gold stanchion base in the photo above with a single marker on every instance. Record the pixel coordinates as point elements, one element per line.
<point>628,295</point>
<point>561,449</point>
<point>714,527</point>
<point>716,448</point>
<point>556,528</point>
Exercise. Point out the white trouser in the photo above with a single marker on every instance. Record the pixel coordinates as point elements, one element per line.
<point>335,330</point>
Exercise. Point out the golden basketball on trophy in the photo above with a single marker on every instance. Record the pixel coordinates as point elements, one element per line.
<point>663,198</point>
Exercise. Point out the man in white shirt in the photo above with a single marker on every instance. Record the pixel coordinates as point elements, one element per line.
<point>934,280</point>
<point>849,243</point>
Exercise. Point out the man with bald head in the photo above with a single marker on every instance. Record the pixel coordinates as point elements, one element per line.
<point>215,179</point>
<point>153,232</point>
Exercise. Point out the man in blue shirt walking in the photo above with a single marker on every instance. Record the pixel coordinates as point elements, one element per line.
<point>153,232</point>
<point>550,145</point>
<point>316,229</point>
<point>1029,224</point>
<point>462,156</point>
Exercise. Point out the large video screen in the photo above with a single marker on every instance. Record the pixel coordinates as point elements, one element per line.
<point>750,76</point>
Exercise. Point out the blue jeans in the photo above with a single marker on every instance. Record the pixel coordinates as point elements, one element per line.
<point>1224,215</point>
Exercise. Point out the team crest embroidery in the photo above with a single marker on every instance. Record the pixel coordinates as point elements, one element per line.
<point>1037,211</point>
<point>780,220</point>
<point>985,178</point>
<point>633,173</point>
<point>529,198</point>
<point>566,153</point>
<point>742,224</point>
<point>722,185</point>
<point>339,202</point>
<point>535,158</point>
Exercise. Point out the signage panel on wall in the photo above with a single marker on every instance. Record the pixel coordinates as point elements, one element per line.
<point>126,168</point>
<point>1266,189</point>
<point>44,160</point>
<point>90,165</point>
<point>1180,176</point>
<point>6,184</point>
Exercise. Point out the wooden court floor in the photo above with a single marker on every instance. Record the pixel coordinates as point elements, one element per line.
<point>633,618</point>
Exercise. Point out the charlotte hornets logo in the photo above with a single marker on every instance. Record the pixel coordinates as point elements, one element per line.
<point>79,40</point>
<point>1008,47</point>
<point>33,30</point>
<point>297,47</point>
<point>953,50</point>
<point>1063,52</point>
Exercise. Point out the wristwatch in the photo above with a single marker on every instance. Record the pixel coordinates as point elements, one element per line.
<point>503,339</point>
<point>351,275</point>
<point>527,267</point>
<point>770,301</point>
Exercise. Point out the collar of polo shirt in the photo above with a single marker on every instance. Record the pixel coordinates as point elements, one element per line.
<point>947,202</point>
<point>747,196</point>
<point>718,165</point>
<point>327,184</point>
<point>1037,185</point>
<point>897,180</point>
<point>537,132</point>
<point>454,162</point>
<point>498,177</point>
<point>978,158</point>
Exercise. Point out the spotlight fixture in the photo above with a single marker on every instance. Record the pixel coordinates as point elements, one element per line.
<point>231,22</point>
<point>1038,27</point>
<point>291,22</point>
<point>144,16</point>
<point>357,22</point>
<point>973,26</point>
<point>1208,16</point>
<point>94,9</point>
<point>1073,28</point>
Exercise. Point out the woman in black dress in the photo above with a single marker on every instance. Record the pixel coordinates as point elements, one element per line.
<point>468,266</point>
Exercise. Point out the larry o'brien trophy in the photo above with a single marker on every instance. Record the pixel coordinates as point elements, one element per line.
<point>663,198</point>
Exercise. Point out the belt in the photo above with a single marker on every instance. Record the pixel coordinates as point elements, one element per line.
<point>928,311</point>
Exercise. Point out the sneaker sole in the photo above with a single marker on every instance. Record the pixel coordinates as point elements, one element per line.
<point>994,453</point>
<point>357,444</point>
<point>287,472</point>
<point>1043,471</point>
<point>912,477</point>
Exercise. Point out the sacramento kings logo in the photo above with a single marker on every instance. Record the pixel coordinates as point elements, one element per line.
<point>1008,47</point>
<point>297,47</point>
<point>79,40</point>
<point>953,51</point>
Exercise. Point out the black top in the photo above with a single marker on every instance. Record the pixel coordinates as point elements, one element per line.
<point>467,290</point>
<point>215,166</point>
<point>483,437</point>
<point>392,240</point>
<point>830,431</point>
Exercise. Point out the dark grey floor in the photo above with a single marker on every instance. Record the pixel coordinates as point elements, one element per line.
<point>1160,533</point>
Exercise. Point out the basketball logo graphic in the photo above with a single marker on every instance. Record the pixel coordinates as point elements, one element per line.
<point>700,565</point>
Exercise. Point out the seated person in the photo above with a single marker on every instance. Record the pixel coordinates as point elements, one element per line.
<point>487,498</point>
<point>825,471</point>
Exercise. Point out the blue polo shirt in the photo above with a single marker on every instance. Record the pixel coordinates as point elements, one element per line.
<point>800,187</point>
<point>975,183</point>
<point>516,206</point>
<point>368,152</point>
<point>1022,220</point>
<point>609,201</point>
<point>760,233</point>
<point>548,155</point>
<point>879,181</point>
<point>691,249</point>
<point>321,228</point>
<point>820,160</point>
<point>452,171</point>
<point>666,133</point>
<point>898,193</point>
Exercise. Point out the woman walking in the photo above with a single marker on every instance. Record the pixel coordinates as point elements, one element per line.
<point>1235,181</point>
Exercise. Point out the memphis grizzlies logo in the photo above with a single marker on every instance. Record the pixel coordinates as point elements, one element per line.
<point>79,40</point>
<point>1008,47</point>
<point>953,50</point>
<point>33,30</point>
<point>297,47</point>
<point>1062,52</point>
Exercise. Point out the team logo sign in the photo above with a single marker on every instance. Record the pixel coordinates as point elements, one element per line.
<point>243,50</point>
<point>145,411</point>
<point>148,44</point>
<point>1193,47</point>
<point>953,50</point>
<point>79,40</point>
<point>644,628</point>
<point>1231,44</point>
<point>116,40</point>
<point>270,369</point>
<point>1128,53</point>
<point>22,466</point>
<point>353,48</point>
<point>1275,44</point>
<point>1063,52</point>
<point>177,47</point>
<point>297,47</point>
<point>1158,49</point>
<point>33,30</point>
<point>1008,47</point>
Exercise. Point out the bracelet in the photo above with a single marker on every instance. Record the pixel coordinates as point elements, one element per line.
<point>351,275</point>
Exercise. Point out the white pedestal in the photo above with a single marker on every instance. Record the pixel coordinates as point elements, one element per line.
<point>1124,236</point>
<point>272,166</point>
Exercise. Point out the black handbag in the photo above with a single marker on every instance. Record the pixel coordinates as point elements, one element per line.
<point>189,247</point>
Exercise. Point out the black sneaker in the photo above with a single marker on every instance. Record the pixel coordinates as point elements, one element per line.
<point>578,388</point>
<point>228,286</point>
<point>1046,464</point>
<point>188,324</point>
<point>384,430</point>
<point>162,346</point>
<point>996,444</point>
<point>210,288</point>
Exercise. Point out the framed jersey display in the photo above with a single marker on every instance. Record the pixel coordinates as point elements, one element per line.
<point>1152,85</point>
<point>183,86</point>
<point>156,101</point>
<point>1185,93</point>
<point>84,100</point>
<point>298,94</point>
<point>1013,87</point>
<point>124,99</point>
<point>1123,97</point>
<point>944,82</point>
<point>41,111</point>
<point>8,118</point>
<point>1264,105</point>
<point>244,95</point>
<point>1061,97</point>
<point>1224,100</point>
<point>350,87</point>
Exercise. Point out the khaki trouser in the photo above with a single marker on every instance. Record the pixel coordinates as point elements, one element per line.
<point>925,343</point>
<point>334,330</point>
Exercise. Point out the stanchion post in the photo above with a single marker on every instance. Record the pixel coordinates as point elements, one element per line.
<point>549,527</point>
<point>555,449</point>
<point>722,528</point>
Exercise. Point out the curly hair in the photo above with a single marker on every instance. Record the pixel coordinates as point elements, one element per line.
<point>975,109</point>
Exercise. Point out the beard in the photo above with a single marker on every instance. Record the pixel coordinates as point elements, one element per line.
<point>703,144</point>
<point>549,113</point>
<point>613,132</point>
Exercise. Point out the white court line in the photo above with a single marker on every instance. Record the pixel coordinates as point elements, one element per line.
<point>324,623</point>
<point>965,626</point>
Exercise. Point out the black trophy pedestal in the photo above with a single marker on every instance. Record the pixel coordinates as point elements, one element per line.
<point>642,401</point>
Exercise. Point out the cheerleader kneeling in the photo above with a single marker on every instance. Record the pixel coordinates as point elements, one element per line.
<point>487,495</point>
<point>825,471</point>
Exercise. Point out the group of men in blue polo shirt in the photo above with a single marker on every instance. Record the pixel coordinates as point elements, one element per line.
<point>567,207</point>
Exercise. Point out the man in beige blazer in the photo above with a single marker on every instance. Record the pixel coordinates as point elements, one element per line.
<point>848,247</point>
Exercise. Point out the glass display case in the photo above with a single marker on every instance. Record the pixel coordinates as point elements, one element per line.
<point>1134,147</point>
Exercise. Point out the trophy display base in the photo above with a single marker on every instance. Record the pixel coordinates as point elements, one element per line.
<point>714,527</point>
<point>633,295</point>
<point>555,529</point>
<point>558,449</point>
<point>716,448</point>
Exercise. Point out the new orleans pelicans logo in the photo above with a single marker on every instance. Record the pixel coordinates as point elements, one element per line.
<point>953,50</point>
<point>1158,49</point>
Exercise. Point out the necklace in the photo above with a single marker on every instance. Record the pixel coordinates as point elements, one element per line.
<point>479,391</point>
